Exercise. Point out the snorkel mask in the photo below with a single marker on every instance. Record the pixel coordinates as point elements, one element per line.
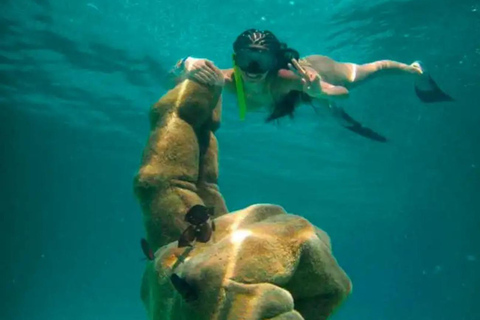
<point>254,63</point>
<point>255,60</point>
<point>255,55</point>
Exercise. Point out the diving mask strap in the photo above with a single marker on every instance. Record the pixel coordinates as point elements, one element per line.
<point>242,104</point>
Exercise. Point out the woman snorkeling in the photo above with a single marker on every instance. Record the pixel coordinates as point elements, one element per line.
<point>267,73</point>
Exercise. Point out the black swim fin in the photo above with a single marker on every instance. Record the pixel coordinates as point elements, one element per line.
<point>355,126</point>
<point>367,133</point>
<point>427,89</point>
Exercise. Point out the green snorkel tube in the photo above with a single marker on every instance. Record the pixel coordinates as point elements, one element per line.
<point>242,104</point>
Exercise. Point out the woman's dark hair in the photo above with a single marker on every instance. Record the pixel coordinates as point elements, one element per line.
<point>257,37</point>
<point>286,106</point>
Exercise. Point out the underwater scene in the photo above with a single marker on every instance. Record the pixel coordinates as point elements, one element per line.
<point>240,160</point>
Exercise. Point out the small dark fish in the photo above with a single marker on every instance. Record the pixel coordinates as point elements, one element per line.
<point>147,251</point>
<point>203,232</point>
<point>187,237</point>
<point>200,229</point>
<point>186,290</point>
<point>198,214</point>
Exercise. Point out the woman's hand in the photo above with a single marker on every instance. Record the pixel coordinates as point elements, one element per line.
<point>203,71</point>
<point>312,83</point>
<point>311,80</point>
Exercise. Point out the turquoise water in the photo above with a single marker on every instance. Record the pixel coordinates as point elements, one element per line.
<point>77,80</point>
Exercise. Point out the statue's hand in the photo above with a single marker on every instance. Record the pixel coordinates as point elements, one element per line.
<point>261,263</point>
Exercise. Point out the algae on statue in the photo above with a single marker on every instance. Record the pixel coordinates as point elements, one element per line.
<point>261,262</point>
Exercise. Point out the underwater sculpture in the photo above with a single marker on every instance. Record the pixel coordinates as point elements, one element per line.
<point>256,263</point>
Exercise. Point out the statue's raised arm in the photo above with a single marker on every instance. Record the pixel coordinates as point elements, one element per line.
<point>258,263</point>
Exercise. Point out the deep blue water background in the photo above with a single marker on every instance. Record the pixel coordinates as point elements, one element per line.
<point>77,80</point>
